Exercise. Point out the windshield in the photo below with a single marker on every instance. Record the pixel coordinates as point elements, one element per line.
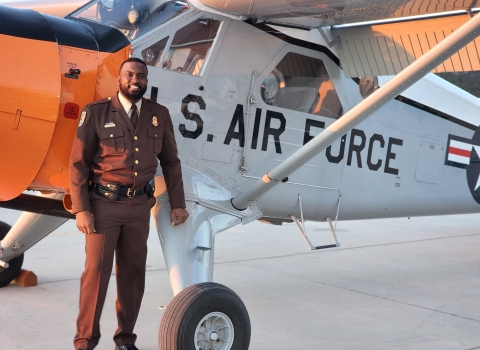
<point>133,18</point>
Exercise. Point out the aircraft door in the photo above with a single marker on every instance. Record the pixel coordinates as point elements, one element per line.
<point>295,100</point>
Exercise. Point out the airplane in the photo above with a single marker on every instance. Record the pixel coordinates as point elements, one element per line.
<point>283,112</point>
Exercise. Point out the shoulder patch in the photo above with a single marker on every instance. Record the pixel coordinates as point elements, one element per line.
<point>82,118</point>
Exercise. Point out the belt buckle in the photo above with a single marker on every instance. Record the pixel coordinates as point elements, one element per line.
<point>129,193</point>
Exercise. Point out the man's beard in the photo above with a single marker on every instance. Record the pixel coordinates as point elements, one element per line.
<point>132,95</point>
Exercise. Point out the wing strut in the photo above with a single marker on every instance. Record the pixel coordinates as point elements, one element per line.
<point>402,81</point>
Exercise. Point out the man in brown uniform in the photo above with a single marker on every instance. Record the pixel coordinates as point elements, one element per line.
<point>114,157</point>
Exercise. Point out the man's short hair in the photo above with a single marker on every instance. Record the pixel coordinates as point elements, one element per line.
<point>133,59</point>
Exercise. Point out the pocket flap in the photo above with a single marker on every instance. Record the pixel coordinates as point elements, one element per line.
<point>154,133</point>
<point>110,133</point>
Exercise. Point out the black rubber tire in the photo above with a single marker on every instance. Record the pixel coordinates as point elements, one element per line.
<point>8,275</point>
<point>185,311</point>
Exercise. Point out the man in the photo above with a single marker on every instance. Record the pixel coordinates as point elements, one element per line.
<point>113,160</point>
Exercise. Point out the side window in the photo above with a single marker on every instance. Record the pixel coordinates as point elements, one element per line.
<point>301,83</point>
<point>190,46</point>
<point>152,54</point>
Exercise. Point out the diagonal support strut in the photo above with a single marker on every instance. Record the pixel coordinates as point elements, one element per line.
<point>402,81</point>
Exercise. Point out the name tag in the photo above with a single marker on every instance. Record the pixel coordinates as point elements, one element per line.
<point>109,125</point>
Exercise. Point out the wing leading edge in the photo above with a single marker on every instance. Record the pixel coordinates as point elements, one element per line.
<point>317,14</point>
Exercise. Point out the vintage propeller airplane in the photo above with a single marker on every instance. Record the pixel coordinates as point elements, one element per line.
<point>283,111</point>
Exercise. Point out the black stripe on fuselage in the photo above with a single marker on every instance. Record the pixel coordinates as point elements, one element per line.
<point>295,41</point>
<point>435,112</point>
<point>430,110</point>
<point>80,34</point>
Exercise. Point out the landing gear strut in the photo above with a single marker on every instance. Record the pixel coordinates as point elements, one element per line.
<point>7,275</point>
<point>205,316</point>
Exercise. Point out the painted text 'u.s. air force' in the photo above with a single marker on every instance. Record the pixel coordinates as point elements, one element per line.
<point>357,144</point>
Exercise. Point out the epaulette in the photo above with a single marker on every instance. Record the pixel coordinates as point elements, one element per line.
<point>100,101</point>
<point>154,102</point>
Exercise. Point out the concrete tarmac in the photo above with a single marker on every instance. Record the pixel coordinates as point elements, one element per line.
<point>393,284</point>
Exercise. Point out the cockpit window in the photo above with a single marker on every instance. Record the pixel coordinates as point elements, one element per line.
<point>191,45</point>
<point>301,83</point>
<point>133,18</point>
<point>151,55</point>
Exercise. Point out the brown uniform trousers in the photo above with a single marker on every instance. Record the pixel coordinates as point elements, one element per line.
<point>108,149</point>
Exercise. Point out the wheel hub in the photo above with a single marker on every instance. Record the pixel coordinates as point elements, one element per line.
<point>213,336</point>
<point>214,332</point>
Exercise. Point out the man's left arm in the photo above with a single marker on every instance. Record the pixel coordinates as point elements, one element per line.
<point>172,171</point>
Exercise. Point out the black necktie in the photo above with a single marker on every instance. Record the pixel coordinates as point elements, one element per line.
<point>134,116</point>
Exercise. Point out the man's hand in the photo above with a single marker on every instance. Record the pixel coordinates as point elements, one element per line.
<point>85,222</point>
<point>178,216</point>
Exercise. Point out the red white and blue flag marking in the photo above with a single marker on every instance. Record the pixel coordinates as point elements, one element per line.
<point>459,152</point>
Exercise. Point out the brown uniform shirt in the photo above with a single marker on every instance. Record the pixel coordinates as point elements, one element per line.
<point>108,149</point>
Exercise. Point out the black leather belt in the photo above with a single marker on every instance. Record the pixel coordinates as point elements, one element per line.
<point>112,190</point>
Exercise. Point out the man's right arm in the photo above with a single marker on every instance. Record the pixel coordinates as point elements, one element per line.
<point>83,150</point>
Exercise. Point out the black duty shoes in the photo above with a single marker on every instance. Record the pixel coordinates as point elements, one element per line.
<point>126,347</point>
